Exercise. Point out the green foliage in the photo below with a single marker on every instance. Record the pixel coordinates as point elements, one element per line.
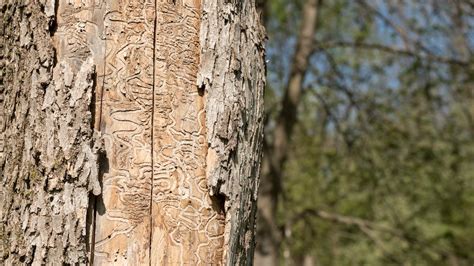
<point>383,136</point>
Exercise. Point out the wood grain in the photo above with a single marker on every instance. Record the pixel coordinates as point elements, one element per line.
<point>122,224</point>
<point>187,228</point>
<point>152,112</point>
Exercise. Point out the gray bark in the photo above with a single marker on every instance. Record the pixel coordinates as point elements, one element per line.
<point>49,162</point>
<point>233,73</point>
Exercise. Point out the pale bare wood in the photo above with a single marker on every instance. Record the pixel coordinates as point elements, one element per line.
<point>187,228</point>
<point>122,223</point>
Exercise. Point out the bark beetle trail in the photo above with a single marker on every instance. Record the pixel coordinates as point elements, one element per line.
<point>185,223</point>
<point>123,214</point>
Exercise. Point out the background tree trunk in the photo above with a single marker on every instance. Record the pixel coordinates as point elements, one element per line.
<point>269,233</point>
<point>174,90</point>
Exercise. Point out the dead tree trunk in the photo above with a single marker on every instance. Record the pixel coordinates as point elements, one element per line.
<point>131,131</point>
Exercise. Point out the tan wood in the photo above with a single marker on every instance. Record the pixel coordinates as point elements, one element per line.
<point>187,229</point>
<point>122,223</point>
<point>182,227</point>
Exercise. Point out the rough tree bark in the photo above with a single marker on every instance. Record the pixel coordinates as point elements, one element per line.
<point>130,131</point>
<point>269,235</point>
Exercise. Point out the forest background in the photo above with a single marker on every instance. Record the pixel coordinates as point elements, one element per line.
<point>369,149</point>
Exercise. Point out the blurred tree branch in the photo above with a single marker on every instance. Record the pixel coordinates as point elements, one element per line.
<point>401,31</point>
<point>319,46</point>
<point>369,227</point>
<point>347,220</point>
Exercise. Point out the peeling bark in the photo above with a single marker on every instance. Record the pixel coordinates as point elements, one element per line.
<point>232,74</point>
<point>49,166</point>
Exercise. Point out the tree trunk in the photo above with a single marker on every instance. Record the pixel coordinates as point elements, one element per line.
<point>269,234</point>
<point>131,131</point>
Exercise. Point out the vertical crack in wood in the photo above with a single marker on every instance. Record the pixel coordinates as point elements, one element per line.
<point>90,216</point>
<point>152,134</point>
<point>123,212</point>
<point>98,104</point>
<point>90,228</point>
<point>104,61</point>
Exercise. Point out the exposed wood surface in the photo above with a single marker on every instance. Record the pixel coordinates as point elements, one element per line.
<point>122,218</point>
<point>152,113</point>
<point>188,227</point>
